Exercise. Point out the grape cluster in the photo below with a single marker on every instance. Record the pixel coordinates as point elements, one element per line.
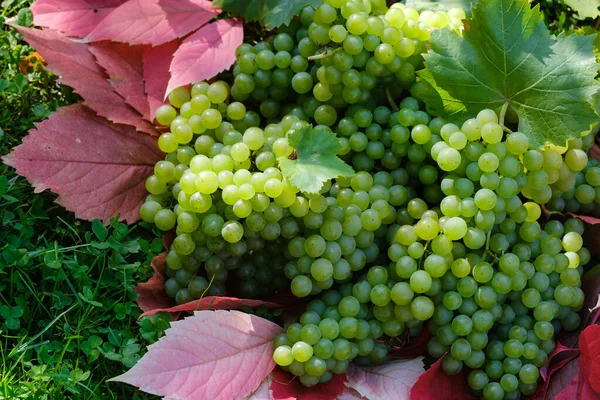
<point>440,223</point>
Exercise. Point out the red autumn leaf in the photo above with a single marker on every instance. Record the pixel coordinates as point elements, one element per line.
<point>447,387</point>
<point>579,389</point>
<point>72,17</point>
<point>414,347</point>
<point>285,386</point>
<point>390,380</point>
<point>153,21</point>
<point>560,356</point>
<point>214,303</point>
<point>589,361</point>
<point>217,355</point>
<point>97,168</point>
<point>124,66</point>
<point>206,53</point>
<point>263,392</point>
<point>152,298</point>
<point>157,61</point>
<point>558,380</point>
<point>152,294</point>
<point>76,67</point>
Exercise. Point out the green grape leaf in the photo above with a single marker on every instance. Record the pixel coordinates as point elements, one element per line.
<point>585,8</point>
<point>316,161</point>
<point>273,13</point>
<point>440,5</point>
<point>508,55</point>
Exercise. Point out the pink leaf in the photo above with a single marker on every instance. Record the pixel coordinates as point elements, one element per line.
<point>263,392</point>
<point>76,67</point>
<point>72,17</point>
<point>97,168</point>
<point>157,61</point>
<point>288,387</point>
<point>387,381</point>
<point>350,394</point>
<point>217,355</point>
<point>153,21</point>
<point>447,387</point>
<point>206,53</point>
<point>214,303</point>
<point>124,66</point>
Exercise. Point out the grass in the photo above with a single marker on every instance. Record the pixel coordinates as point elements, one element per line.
<point>68,317</point>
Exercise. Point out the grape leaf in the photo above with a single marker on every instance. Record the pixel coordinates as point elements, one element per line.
<point>97,168</point>
<point>72,17</point>
<point>152,298</point>
<point>508,55</point>
<point>153,21</point>
<point>273,13</point>
<point>317,160</point>
<point>123,64</point>
<point>585,8</point>
<point>217,355</point>
<point>440,5</point>
<point>157,61</point>
<point>391,380</point>
<point>285,386</point>
<point>447,387</point>
<point>207,52</point>
<point>76,67</point>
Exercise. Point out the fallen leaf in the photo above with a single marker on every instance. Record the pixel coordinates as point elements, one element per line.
<point>153,21</point>
<point>217,355</point>
<point>33,62</point>
<point>157,61</point>
<point>124,66</point>
<point>589,361</point>
<point>447,387</point>
<point>97,168</point>
<point>206,53</point>
<point>391,380</point>
<point>72,17</point>
<point>76,67</point>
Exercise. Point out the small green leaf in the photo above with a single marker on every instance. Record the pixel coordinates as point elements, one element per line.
<point>4,84</point>
<point>508,55</point>
<point>585,8</point>
<point>317,160</point>
<point>25,17</point>
<point>13,323</point>
<point>17,312</point>
<point>273,13</point>
<point>99,230</point>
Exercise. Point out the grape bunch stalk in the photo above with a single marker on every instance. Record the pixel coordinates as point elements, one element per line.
<point>439,229</point>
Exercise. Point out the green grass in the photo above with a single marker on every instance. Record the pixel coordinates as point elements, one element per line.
<point>68,317</point>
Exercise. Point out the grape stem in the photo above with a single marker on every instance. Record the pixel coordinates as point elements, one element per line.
<point>424,250</point>
<point>327,53</point>
<point>391,100</point>
<point>503,116</point>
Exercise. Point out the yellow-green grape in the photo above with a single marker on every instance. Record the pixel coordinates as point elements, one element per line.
<point>207,182</point>
<point>155,186</point>
<point>149,210</point>
<point>179,96</point>
<point>167,142</point>
<point>165,114</point>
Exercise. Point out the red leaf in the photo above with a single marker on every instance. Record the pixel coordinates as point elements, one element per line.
<point>558,380</point>
<point>579,389</point>
<point>157,61</point>
<point>152,298</point>
<point>415,347</point>
<point>288,387</point>
<point>560,356</point>
<point>214,303</point>
<point>125,69</point>
<point>217,355</point>
<point>97,168</point>
<point>153,21</point>
<point>390,380</point>
<point>77,68</point>
<point>152,294</point>
<point>263,392</point>
<point>589,362</point>
<point>447,387</point>
<point>206,53</point>
<point>72,17</point>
